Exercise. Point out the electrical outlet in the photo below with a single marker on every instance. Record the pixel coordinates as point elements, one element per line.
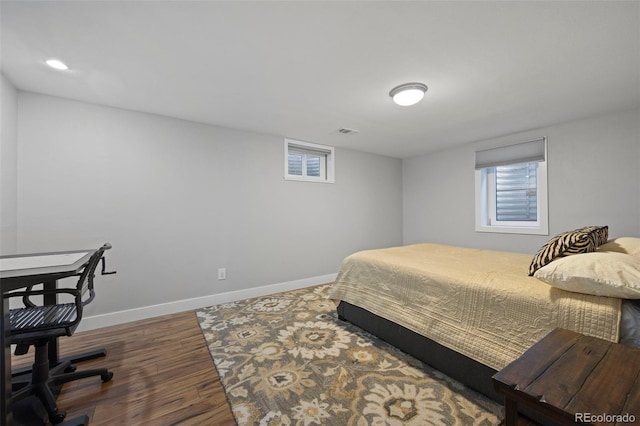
<point>222,273</point>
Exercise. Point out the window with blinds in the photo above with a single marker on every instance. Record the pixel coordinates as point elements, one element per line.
<point>308,162</point>
<point>517,192</point>
<point>511,188</point>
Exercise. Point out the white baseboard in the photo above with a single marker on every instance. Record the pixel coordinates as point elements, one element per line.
<point>121,317</point>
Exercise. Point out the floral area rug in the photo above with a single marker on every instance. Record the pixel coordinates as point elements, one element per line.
<point>286,359</point>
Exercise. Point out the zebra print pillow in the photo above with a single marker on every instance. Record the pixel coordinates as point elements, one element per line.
<point>578,241</point>
<point>599,234</point>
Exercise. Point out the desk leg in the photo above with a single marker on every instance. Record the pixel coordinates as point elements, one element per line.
<point>5,369</point>
<point>52,299</point>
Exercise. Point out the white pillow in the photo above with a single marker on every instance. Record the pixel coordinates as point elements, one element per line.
<point>628,245</point>
<point>610,274</point>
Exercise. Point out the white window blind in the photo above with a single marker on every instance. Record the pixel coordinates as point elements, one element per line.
<point>307,161</point>
<point>511,188</point>
<point>517,192</point>
<point>511,154</point>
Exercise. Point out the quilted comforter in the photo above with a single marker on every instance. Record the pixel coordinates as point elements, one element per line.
<point>480,303</point>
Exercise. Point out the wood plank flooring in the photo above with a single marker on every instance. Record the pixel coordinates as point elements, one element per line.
<point>163,375</point>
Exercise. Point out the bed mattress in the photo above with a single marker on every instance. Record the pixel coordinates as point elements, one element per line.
<point>480,303</point>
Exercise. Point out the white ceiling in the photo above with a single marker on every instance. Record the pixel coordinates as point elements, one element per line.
<point>305,69</point>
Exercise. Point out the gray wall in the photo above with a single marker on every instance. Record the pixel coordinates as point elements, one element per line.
<point>8,167</point>
<point>178,200</point>
<point>593,177</point>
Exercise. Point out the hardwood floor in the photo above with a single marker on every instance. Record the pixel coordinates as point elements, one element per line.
<point>163,375</point>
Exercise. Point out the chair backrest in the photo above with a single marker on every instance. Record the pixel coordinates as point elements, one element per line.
<point>85,282</point>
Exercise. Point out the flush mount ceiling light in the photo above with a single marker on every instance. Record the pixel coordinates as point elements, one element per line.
<point>56,64</point>
<point>408,93</point>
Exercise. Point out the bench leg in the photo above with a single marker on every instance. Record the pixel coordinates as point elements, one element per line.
<point>510,412</point>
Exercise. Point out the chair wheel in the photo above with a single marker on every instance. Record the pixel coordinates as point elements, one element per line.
<point>106,377</point>
<point>71,368</point>
<point>57,416</point>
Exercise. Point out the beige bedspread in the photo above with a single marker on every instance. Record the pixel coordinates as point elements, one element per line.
<point>480,303</point>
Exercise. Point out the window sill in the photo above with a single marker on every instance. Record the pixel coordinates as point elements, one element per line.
<point>306,179</point>
<point>534,230</point>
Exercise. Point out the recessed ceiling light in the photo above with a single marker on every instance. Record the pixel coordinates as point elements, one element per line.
<point>408,93</point>
<point>57,64</point>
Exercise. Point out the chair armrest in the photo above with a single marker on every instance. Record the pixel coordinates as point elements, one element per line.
<point>29,293</point>
<point>71,291</point>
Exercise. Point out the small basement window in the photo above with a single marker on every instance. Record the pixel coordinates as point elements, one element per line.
<point>307,161</point>
<point>511,189</point>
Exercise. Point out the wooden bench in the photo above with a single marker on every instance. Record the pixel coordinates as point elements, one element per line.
<point>570,378</point>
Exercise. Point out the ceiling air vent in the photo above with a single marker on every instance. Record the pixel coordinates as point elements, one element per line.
<point>347,131</point>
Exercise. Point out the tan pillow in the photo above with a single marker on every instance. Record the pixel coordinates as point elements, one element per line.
<point>610,274</point>
<point>628,245</point>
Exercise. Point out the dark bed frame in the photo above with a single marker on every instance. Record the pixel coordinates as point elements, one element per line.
<point>455,365</point>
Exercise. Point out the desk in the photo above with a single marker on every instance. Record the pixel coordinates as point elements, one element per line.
<point>18,271</point>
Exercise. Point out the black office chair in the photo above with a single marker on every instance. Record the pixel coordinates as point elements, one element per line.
<point>36,325</point>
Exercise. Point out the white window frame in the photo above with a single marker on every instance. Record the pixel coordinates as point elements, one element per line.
<point>485,202</point>
<point>327,160</point>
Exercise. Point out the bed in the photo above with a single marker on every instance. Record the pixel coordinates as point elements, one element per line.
<point>470,312</point>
